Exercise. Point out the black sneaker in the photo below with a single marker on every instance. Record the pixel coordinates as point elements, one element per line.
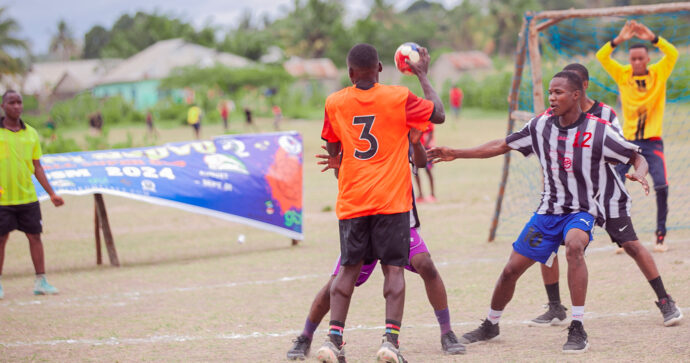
<point>329,353</point>
<point>487,331</point>
<point>300,350</point>
<point>577,339</point>
<point>450,344</point>
<point>555,315</point>
<point>670,311</point>
<point>389,352</point>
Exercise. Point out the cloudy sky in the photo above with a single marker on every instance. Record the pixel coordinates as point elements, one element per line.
<point>38,18</point>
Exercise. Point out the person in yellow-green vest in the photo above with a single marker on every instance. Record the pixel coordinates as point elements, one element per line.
<point>194,119</point>
<point>642,90</point>
<point>20,151</point>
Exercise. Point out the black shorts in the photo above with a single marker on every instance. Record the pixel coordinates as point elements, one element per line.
<point>24,217</point>
<point>620,230</point>
<point>384,237</point>
<point>196,126</point>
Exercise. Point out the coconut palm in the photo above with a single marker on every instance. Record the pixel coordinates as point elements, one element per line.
<point>63,44</point>
<point>8,42</point>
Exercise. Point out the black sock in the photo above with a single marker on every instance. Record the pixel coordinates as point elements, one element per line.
<point>553,292</point>
<point>658,287</point>
<point>392,331</point>
<point>335,332</point>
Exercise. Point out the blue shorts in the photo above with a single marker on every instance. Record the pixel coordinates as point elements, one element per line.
<point>544,233</point>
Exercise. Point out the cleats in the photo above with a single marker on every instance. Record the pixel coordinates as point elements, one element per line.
<point>555,315</point>
<point>672,314</point>
<point>42,287</point>
<point>389,353</point>
<point>451,345</point>
<point>300,348</point>
<point>329,353</point>
<point>487,331</point>
<point>660,245</point>
<point>577,339</point>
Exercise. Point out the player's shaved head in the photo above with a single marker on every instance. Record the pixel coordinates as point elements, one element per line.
<point>363,56</point>
<point>7,93</point>
<point>579,69</point>
<point>572,78</point>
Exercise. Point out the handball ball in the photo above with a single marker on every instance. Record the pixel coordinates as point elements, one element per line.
<point>409,51</point>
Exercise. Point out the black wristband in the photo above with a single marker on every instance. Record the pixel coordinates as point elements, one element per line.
<point>655,40</point>
<point>613,44</point>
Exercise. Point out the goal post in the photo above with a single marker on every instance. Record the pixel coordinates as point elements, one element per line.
<point>548,41</point>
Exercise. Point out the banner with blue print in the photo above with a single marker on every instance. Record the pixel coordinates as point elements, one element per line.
<point>255,179</point>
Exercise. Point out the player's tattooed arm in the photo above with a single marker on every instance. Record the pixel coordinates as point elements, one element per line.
<point>487,150</point>
<point>641,169</point>
<point>421,68</point>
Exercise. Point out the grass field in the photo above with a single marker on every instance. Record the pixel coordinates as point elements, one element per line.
<point>187,291</point>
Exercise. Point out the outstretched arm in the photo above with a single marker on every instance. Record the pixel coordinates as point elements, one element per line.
<point>421,68</point>
<point>612,67</point>
<point>641,169</point>
<point>670,52</point>
<point>487,150</point>
<point>41,177</point>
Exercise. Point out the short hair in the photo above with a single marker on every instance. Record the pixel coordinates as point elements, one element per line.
<point>572,78</point>
<point>363,56</point>
<point>7,93</point>
<point>579,69</point>
<point>639,45</point>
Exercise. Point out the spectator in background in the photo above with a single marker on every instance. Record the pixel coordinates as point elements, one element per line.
<point>96,123</point>
<point>51,126</point>
<point>194,119</point>
<point>248,118</point>
<point>150,127</point>
<point>277,116</point>
<point>455,99</point>
<point>225,108</point>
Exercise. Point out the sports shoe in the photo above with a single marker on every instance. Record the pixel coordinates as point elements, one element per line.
<point>555,315</point>
<point>42,287</point>
<point>487,331</point>
<point>577,338</point>
<point>660,245</point>
<point>419,200</point>
<point>430,199</point>
<point>669,310</point>
<point>389,353</point>
<point>450,344</point>
<point>329,353</point>
<point>300,350</point>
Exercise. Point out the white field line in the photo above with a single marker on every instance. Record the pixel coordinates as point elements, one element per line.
<point>123,299</point>
<point>235,336</point>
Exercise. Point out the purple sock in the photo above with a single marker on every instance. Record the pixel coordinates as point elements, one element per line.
<point>443,317</point>
<point>309,328</point>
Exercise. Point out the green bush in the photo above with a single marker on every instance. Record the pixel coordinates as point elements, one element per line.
<point>76,111</point>
<point>59,145</point>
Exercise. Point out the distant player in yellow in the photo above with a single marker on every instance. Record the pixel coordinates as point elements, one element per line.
<point>643,96</point>
<point>194,119</point>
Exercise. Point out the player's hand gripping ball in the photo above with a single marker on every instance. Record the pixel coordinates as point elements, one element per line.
<point>406,51</point>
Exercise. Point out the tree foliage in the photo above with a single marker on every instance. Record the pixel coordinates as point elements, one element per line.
<point>9,42</point>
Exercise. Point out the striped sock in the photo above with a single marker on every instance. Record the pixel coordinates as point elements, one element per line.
<point>578,313</point>
<point>494,316</point>
<point>392,331</point>
<point>335,333</point>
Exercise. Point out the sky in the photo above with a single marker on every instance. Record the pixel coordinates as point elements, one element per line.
<point>38,18</point>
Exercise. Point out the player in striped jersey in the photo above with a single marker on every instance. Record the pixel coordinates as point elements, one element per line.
<point>616,201</point>
<point>574,149</point>
<point>420,263</point>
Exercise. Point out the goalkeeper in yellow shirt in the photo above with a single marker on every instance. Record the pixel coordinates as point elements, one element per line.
<point>642,90</point>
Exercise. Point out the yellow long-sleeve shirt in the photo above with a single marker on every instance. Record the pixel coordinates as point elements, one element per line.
<point>643,97</point>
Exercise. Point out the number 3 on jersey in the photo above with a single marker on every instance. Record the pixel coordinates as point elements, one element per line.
<point>368,122</point>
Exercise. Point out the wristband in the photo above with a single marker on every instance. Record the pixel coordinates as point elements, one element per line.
<point>613,44</point>
<point>655,40</point>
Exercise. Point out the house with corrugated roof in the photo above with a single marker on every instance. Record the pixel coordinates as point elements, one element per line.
<point>451,66</point>
<point>319,71</point>
<point>138,78</point>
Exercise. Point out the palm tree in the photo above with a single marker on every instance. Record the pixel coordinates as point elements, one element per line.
<point>63,44</point>
<point>8,63</point>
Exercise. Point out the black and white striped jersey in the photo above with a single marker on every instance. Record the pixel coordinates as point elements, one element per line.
<point>573,159</point>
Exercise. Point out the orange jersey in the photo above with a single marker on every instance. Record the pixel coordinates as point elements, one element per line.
<point>372,126</point>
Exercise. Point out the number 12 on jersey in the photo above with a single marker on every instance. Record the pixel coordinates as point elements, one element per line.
<point>368,122</point>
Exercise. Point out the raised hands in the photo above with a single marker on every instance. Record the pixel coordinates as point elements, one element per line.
<point>634,29</point>
<point>642,32</point>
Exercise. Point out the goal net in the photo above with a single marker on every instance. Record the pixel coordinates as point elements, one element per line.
<point>563,39</point>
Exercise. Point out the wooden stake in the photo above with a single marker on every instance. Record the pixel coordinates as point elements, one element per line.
<point>513,99</point>
<point>97,230</point>
<point>535,67</point>
<point>105,226</point>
